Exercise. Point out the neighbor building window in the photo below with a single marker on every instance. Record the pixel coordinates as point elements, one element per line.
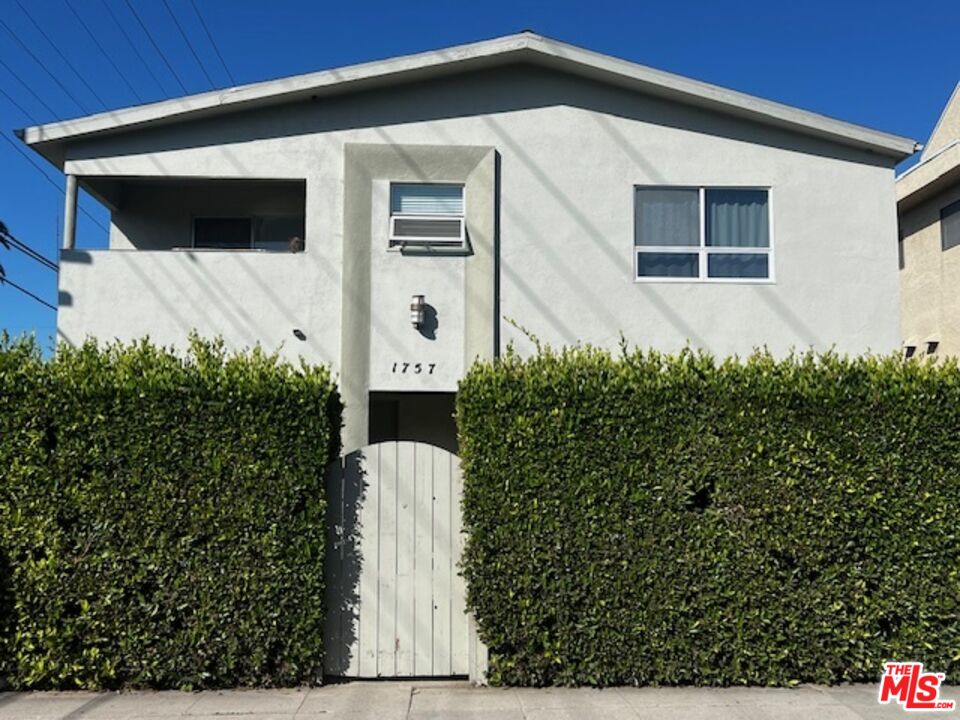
<point>718,234</point>
<point>280,233</point>
<point>950,226</point>
<point>426,214</point>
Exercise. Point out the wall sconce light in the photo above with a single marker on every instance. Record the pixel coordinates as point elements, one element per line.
<point>417,311</point>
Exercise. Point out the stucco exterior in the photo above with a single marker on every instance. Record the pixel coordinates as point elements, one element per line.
<point>930,273</point>
<point>559,156</point>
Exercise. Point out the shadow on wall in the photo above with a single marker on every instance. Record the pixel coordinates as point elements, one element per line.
<point>483,92</point>
<point>428,328</point>
<point>346,490</point>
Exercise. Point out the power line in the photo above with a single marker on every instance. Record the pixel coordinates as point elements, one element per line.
<point>102,51</point>
<point>11,283</point>
<point>29,89</point>
<point>156,47</point>
<point>212,42</point>
<point>56,49</point>
<point>49,180</point>
<point>31,253</point>
<point>19,107</point>
<point>132,45</point>
<point>189,44</point>
<point>39,62</point>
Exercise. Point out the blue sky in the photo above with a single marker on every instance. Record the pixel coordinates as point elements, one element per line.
<point>883,64</point>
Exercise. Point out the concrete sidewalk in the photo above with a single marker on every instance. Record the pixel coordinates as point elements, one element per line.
<point>433,700</point>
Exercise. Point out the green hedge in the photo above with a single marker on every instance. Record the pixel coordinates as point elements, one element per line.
<point>651,519</point>
<point>161,517</point>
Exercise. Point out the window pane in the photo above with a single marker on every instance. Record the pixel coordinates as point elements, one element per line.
<point>423,199</point>
<point>221,233</point>
<point>950,226</point>
<point>737,218</point>
<point>667,217</point>
<point>723,265</point>
<point>654,264</point>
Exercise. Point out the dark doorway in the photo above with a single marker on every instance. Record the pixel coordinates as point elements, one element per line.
<point>419,416</point>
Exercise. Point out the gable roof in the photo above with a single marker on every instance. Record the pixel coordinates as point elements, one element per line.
<point>947,129</point>
<point>50,138</point>
<point>939,165</point>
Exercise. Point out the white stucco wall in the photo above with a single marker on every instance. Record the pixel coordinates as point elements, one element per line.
<point>570,154</point>
<point>402,358</point>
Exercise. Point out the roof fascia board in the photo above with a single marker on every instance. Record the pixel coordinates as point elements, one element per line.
<point>275,91</point>
<point>490,52</point>
<point>940,121</point>
<point>929,178</point>
<point>704,94</point>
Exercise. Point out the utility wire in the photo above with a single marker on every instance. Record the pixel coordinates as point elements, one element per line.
<point>56,49</point>
<point>103,51</point>
<point>31,253</point>
<point>189,44</point>
<point>132,45</point>
<point>49,180</point>
<point>212,42</point>
<point>29,90</point>
<point>17,105</point>
<point>43,66</point>
<point>11,283</point>
<point>156,47</point>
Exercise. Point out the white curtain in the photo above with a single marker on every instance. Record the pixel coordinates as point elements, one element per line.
<point>737,218</point>
<point>667,216</point>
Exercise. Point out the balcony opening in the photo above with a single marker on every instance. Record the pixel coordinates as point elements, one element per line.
<point>204,214</point>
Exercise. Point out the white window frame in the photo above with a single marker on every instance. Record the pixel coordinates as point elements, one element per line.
<point>703,251</point>
<point>400,242</point>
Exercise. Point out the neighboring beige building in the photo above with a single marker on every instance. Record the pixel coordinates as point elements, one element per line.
<point>928,204</point>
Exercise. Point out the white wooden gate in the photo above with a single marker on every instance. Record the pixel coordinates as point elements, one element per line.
<point>395,599</point>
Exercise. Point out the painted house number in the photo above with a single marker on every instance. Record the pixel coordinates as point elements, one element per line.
<point>409,368</point>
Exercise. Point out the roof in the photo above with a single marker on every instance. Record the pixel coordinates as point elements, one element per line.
<point>947,129</point>
<point>939,166</point>
<point>526,46</point>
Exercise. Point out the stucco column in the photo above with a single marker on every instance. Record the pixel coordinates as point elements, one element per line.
<point>70,214</point>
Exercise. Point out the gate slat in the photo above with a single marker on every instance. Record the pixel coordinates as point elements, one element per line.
<point>423,562</point>
<point>352,487</point>
<point>369,565</point>
<point>460,631</point>
<point>387,542</point>
<point>406,527</point>
<point>442,560</point>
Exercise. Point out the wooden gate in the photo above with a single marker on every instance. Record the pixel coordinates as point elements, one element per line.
<point>395,599</point>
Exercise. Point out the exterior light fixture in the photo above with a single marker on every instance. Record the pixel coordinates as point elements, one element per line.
<point>417,311</point>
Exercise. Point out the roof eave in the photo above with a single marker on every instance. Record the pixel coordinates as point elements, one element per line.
<point>527,46</point>
<point>930,177</point>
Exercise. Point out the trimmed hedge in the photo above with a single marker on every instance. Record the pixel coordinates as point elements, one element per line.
<point>161,517</point>
<point>653,519</point>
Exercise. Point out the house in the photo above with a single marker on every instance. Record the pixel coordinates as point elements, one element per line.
<point>400,218</point>
<point>928,204</point>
